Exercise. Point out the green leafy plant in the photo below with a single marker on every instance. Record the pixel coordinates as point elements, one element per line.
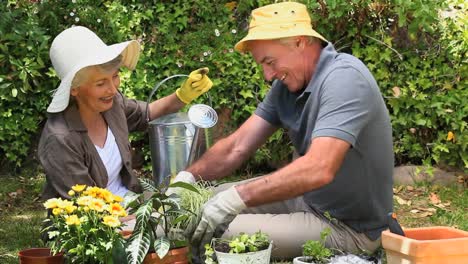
<point>157,210</point>
<point>316,250</point>
<point>86,228</point>
<point>242,243</point>
<point>194,202</point>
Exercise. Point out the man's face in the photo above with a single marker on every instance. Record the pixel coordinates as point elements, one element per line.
<point>281,61</point>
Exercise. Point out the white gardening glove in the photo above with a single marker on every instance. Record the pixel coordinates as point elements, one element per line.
<point>217,213</point>
<point>182,176</point>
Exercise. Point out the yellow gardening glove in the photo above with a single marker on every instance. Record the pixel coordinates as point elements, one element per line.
<point>197,84</point>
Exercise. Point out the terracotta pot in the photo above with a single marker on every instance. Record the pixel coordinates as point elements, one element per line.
<point>426,245</point>
<point>39,256</point>
<point>174,256</point>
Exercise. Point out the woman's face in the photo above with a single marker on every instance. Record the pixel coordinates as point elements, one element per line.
<point>97,93</point>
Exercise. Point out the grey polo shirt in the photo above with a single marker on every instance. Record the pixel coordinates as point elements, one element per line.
<point>342,101</point>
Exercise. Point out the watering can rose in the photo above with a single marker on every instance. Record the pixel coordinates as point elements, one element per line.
<point>86,227</point>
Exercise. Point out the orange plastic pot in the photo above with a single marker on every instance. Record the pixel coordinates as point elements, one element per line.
<point>174,256</point>
<point>39,256</point>
<point>426,245</point>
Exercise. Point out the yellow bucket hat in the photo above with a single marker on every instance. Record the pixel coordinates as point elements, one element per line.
<point>276,21</point>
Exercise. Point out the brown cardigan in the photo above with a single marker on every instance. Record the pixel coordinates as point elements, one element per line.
<point>69,157</point>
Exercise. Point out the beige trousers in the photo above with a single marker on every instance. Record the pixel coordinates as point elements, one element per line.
<point>291,223</point>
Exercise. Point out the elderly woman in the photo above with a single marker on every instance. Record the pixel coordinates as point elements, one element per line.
<point>85,139</point>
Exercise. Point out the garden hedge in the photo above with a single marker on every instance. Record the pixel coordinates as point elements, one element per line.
<point>417,51</point>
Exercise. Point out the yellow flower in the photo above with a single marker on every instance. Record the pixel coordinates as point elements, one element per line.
<point>450,136</point>
<point>72,220</point>
<point>117,210</point>
<point>52,203</point>
<point>105,195</point>
<point>78,188</point>
<point>57,211</point>
<point>97,205</point>
<point>70,208</point>
<point>91,191</point>
<point>84,200</point>
<point>111,221</point>
<point>71,192</point>
<point>64,204</point>
<point>118,198</point>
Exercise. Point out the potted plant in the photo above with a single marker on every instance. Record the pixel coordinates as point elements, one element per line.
<point>428,245</point>
<point>243,248</point>
<point>156,237</point>
<point>40,255</point>
<point>314,251</point>
<point>86,227</point>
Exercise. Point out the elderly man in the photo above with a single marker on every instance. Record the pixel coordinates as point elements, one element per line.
<point>335,116</point>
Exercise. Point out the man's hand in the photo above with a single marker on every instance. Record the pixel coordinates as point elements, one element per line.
<point>217,213</point>
<point>197,84</point>
<point>182,176</point>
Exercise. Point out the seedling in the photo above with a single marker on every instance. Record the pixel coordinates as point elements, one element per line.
<point>316,248</point>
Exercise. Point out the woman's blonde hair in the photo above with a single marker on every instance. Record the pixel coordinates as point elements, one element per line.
<point>82,75</point>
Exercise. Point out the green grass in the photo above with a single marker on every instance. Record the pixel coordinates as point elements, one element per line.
<point>21,214</point>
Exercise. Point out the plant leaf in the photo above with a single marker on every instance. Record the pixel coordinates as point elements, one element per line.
<point>130,199</point>
<point>162,246</point>
<point>148,185</point>
<point>140,240</point>
<point>184,185</point>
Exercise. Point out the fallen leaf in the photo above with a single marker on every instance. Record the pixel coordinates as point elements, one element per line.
<point>434,198</point>
<point>13,195</point>
<point>401,201</point>
<point>20,191</point>
<point>430,209</point>
<point>450,136</point>
<point>398,189</point>
<point>424,214</point>
<point>410,188</point>
<point>414,211</point>
<point>396,91</point>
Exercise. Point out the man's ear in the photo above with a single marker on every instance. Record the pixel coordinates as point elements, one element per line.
<point>74,91</point>
<point>301,42</point>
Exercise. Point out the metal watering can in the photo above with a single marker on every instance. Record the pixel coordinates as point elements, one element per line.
<point>178,139</point>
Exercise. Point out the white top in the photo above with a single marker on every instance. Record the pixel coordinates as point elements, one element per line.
<point>110,156</point>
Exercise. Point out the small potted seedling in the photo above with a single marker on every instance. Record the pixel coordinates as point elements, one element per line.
<point>314,251</point>
<point>243,248</point>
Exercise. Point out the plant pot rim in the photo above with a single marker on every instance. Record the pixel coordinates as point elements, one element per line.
<point>303,258</point>
<point>270,246</point>
<point>24,252</point>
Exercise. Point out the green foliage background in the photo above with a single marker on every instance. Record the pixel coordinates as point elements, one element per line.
<point>417,51</point>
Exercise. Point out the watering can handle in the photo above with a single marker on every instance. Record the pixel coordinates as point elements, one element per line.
<point>156,87</point>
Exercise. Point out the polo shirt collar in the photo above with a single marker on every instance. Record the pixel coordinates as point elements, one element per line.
<point>326,56</point>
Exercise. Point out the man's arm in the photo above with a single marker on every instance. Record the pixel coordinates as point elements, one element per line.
<point>229,153</point>
<point>315,169</point>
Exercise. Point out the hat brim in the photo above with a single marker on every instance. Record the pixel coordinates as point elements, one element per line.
<point>130,51</point>
<point>266,32</point>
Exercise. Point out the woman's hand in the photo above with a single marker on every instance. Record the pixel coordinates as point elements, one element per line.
<point>197,84</point>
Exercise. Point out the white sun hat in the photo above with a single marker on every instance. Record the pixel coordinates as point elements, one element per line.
<point>78,47</point>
